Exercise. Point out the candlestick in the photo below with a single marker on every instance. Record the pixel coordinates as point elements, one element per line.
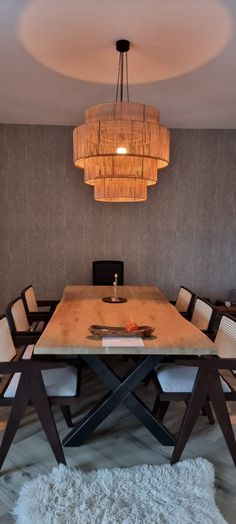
<point>114,299</point>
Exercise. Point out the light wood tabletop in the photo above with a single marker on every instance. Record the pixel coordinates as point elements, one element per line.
<point>67,332</point>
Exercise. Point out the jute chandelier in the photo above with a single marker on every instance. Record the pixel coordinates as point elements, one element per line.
<point>121,146</point>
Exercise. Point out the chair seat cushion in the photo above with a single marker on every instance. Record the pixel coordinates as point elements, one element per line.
<point>60,382</point>
<point>180,379</point>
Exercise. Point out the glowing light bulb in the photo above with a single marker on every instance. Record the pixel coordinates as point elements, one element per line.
<point>121,150</point>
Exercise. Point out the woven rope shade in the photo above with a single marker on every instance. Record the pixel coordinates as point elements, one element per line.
<point>120,190</point>
<point>121,167</point>
<point>123,141</point>
<point>121,146</point>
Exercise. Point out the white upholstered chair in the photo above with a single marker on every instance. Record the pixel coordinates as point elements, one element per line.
<point>61,383</point>
<point>60,386</point>
<point>184,302</point>
<point>175,382</point>
<point>37,310</point>
<point>22,331</point>
<point>24,335</point>
<point>203,315</point>
<point>225,340</point>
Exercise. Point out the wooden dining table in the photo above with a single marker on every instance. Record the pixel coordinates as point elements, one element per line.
<point>67,335</point>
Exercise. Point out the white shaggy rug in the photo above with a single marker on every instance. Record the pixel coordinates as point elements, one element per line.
<point>179,494</point>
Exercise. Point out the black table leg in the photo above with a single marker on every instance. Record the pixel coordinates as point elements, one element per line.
<point>120,391</point>
<point>134,403</point>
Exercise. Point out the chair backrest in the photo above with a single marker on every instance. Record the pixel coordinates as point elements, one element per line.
<point>202,314</point>
<point>28,297</point>
<point>184,299</point>
<point>7,348</point>
<point>17,316</point>
<point>225,339</point>
<point>104,271</point>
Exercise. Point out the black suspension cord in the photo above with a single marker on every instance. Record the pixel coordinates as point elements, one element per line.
<point>121,76</point>
<point>122,46</point>
<point>126,73</point>
<point>118,79</point>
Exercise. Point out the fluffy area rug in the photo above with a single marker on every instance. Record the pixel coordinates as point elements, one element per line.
<point>179,494</point>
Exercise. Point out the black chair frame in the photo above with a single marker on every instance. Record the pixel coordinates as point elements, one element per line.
<point>103,264</point>
<point>36,316</point>
<point>214,320</point>
<point>163,399</point>
<point>186,314</point>
<point>20,338</point>
<point>207,388</point>
<point>30,391</point>
<point>24,338</point>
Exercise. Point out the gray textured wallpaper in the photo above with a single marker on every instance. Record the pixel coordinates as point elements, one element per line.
<point>51,229</point>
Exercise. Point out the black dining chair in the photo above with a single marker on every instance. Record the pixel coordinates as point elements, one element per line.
<point>207,387</point>
<point>24,335</point>
<point>22,331</point>
<point>104,271</point>
<point>29,381</point>
<point>175,383</point>
<point>184,302</point>
<point>205,317</point>
<point>30,390</point>
<point>37,310</point>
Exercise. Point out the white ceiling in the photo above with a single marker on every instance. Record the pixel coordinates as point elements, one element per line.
<point>57,57</point>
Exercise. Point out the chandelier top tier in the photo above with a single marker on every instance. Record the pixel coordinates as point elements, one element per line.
<point>121,144</point>
<point>122,111</point>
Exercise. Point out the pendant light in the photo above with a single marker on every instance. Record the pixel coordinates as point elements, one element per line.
<point>121,146</point>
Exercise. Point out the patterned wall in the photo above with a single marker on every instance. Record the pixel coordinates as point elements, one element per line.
<point>51,229</point>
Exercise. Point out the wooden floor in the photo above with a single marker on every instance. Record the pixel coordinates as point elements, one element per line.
<point>119,441</point>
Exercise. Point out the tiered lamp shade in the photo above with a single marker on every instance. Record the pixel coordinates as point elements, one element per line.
<point>120,190</point>
<point>121,146</point>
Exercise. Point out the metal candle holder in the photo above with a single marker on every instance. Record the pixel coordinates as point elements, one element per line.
<point>114,299</point>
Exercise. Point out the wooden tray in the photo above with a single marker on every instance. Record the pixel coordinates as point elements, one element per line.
<point>117,331</point>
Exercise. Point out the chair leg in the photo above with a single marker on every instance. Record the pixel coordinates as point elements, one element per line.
<point>19,405</point>
<point>162,410</point>
<point>218,402</point>
<point>40,402</point>
<point>207,411</point>
<point>66,412</point>
<point>197,400</point>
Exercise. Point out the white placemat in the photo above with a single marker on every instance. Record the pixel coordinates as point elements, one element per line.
<point>122,341</point>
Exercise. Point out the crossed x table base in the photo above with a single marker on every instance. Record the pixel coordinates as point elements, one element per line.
<point>120,390</point>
